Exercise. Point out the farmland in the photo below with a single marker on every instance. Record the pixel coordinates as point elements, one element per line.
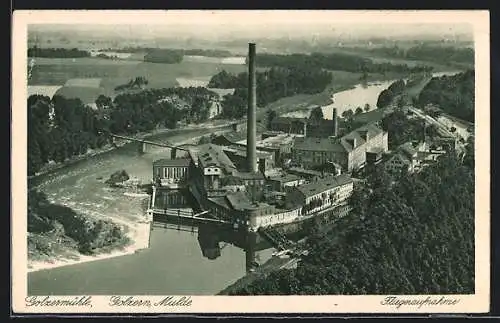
<point>43,90</point>
<point>60,72</point>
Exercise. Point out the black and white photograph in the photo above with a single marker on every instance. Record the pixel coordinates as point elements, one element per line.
<point>179,161</point>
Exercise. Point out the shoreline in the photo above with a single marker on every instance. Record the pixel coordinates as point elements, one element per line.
<point>138,231</point>
<point>48,169</point>
<point>139,241</point>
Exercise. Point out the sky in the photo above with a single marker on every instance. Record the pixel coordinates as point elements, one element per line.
<point>266,23</point>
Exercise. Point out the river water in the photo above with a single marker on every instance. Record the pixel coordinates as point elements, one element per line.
<point>358,96</point>
<point>174,263</point>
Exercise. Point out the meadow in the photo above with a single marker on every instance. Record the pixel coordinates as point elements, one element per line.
<point>61,72</point>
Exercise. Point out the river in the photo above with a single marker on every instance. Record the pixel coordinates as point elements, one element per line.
<point>174,263</point>
<point>358,96</point>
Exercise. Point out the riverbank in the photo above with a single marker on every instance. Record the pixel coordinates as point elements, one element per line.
<point>136,227</point>
<point>138,233</point>
<point>52,167</point>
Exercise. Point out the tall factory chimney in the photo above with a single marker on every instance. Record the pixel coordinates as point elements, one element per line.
<point>335,123</point>
<point>252,102</point>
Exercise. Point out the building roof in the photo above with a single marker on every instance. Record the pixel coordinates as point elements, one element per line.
<point>178,162</point>
<point>401,156</point>
<point>304,171</point>
<point>370,129</point>
<point>248,175</point>
<point>323,184</point>
<point>220,201</point>
<point>318,144</point>
<point>233,136</point>
<point>285,178</point>
<point>241,152</point>
<point>213,155</point>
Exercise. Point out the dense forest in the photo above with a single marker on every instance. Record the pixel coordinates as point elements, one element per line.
<point>336,61</point>
<point>57,52</point>
<point>49,222</point>
<point>195,51</point>
<point>272,85</point>
<point>166,56</point>
<point>386,97</point>
<point>413,236</point>
<point>453,94</point>
<point>60,128</point>
<point>439,54</point>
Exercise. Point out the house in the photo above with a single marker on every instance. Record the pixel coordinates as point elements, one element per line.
<point>406,157</point>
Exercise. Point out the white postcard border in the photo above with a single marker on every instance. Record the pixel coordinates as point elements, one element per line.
<point>477,303</point>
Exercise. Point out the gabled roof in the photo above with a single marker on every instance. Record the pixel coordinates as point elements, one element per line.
<point>369,129</point>
<point>343,144</point>
<point>213,155</point>
<point>233,136</point>
<point>401,156</point>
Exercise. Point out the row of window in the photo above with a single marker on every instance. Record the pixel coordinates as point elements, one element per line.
<point>171,172</point>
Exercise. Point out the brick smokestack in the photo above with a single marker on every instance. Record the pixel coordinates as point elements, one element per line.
<point>252,107</point>
<point>335,123</point>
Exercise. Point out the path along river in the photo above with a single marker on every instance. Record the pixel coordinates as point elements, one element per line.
<point>174,263</point>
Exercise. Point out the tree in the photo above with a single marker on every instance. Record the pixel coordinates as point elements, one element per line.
<point>103,102</point>
<point>316,114</point>
<point>358,111</point>
<point>367,107</point>
<point>270,114</point>
<point>453,129</point>
<point>385,98</point>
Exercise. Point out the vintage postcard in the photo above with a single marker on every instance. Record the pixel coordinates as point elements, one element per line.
<point>250,162</point>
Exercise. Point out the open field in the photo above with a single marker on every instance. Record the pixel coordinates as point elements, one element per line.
<point>84,82</point>
<point>82,61</point>
<point>86,94</point>
<point>58,71</point>
<point>49,90</point>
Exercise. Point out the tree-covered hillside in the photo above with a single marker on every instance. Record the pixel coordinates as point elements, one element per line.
<point>453,94</point>
<point>336,61</point>
<point>272,85</point>
<point>412,237</point>
<point>60,128</point>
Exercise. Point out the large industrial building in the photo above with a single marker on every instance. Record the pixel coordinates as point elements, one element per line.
<point>349,151</point>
